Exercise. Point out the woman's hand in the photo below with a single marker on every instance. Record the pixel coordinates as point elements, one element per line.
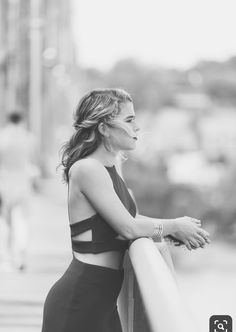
<point>188,231</point>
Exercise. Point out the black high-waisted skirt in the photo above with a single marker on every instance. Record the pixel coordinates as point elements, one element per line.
<point>84,299</point>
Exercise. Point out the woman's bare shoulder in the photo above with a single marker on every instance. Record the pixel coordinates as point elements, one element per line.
<point>87,168</point>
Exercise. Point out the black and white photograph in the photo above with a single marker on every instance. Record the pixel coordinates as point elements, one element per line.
<point>117,166</point>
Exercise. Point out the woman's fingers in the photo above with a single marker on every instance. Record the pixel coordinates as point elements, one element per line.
<point>197,222</point>
<point>197,240</point>
<point>204,234</point>
<point>188,245</point>
<point>191,233</point>
<point>200,239</point>
<point>194,243</point>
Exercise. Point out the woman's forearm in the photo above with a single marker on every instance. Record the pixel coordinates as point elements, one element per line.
<point>146,225</point>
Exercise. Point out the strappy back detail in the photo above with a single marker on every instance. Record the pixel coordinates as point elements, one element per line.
<point>82,226</point>
<point>103,235</point>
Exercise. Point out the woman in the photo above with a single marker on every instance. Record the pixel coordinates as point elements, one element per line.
<point>102,217</point>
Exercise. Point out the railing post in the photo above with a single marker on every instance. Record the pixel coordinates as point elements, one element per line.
<point>141,323</point>
<point>126,300</point>
<point>163,304</point>
<point>165,252</point>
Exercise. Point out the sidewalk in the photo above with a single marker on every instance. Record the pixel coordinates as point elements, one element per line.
<point>22,293</point>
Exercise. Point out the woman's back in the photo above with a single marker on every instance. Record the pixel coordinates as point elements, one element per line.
<point>93,239</point>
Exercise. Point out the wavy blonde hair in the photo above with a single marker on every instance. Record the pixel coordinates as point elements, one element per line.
<point>97,106</point>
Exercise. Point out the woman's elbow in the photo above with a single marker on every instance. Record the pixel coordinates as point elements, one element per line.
<point>129,233</point>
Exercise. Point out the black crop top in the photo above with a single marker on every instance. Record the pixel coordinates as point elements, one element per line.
<point>103,235</point>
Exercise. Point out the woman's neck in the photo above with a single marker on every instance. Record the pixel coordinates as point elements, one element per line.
<point>107,158</point>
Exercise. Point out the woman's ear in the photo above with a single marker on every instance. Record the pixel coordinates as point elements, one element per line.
<point>103,129</point>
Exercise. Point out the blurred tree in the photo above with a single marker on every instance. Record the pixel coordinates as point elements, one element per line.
<point>219,80</point>
<point>151,88</point>
<point>147,85</point>
<point>223,91</point>
<point>157,197</point>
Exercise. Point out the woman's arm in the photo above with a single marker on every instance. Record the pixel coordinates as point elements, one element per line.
<point>168,224</point>
<point>177,233</point>
<point>91,178</point>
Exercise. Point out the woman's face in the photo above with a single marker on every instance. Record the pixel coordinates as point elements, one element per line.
<point>124,136</point>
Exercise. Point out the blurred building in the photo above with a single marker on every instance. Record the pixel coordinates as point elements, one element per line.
<point>37,63</point>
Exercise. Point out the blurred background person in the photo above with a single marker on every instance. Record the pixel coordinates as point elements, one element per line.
<point>3,238</point>
<point>18,168</point>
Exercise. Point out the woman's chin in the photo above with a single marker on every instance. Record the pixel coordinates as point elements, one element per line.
<point>130,147</point>
<point>126,147</point>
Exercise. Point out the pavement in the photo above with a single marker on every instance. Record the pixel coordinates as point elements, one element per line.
<point>206,277</point>
<point>22,294</point>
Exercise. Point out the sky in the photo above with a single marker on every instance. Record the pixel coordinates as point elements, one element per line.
<point>169,33</point>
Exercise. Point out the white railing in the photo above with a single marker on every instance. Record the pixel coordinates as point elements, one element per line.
<point>154,271</point>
